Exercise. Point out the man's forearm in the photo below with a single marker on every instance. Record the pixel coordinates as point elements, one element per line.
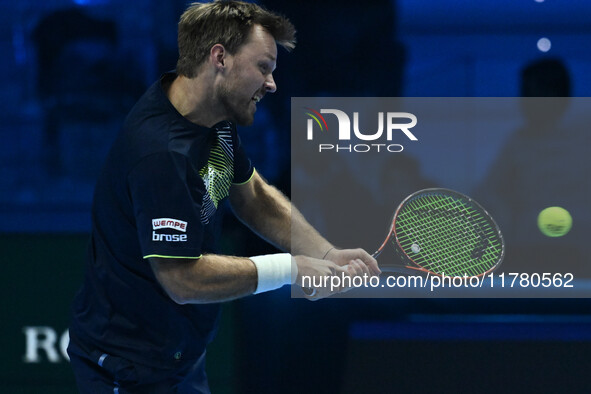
<point>211,278</point>
<point>269,213</point>
<point>305,239</point>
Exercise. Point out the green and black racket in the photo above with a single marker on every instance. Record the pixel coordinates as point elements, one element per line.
<point>443,232</point>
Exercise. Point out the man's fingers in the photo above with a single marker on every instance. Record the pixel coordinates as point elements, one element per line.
<point>364,268</point>
<point>372,264</point>
<point>345,256</point>
<point>329,278</point>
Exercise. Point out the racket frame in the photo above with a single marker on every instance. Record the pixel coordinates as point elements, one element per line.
<point>408,262</point>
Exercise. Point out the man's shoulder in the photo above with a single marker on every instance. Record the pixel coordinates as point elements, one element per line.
<point>150,109</point>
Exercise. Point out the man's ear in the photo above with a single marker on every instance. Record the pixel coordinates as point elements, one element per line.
<point>217,56</point>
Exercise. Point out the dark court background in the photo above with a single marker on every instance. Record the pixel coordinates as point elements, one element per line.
<point>72,69</point>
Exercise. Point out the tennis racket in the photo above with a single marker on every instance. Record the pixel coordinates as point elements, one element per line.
<point>443,232</point>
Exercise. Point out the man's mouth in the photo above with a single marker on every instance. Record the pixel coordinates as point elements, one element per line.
<point>256,98</point>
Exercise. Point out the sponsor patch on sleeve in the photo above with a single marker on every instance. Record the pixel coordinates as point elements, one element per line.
<point>175,224</point>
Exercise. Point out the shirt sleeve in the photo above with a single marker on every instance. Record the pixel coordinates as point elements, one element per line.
<point>167,196</point>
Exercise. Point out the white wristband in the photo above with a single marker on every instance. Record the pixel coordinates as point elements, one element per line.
<point>274,271</point>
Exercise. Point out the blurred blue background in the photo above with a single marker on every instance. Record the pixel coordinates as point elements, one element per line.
<point>72,69</point>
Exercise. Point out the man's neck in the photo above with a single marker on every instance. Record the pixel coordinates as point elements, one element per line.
<point>194,99</point>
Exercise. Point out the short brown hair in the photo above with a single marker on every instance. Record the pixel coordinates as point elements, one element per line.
<point>227,23</point>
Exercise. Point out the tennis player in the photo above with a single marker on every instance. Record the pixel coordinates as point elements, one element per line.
<point>149,303</point>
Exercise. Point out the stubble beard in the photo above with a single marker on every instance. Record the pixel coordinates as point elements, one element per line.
<point>237,112</point>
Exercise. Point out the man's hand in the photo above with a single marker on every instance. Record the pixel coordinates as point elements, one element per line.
<point>328,273</point>
<point>343,257</point>
<point>321,272</point>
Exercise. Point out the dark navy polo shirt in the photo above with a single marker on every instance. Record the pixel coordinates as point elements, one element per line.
<point>157,195</point>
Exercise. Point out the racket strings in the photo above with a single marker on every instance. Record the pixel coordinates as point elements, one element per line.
<point>445,261</point>
<point>457,245</point>
<point>447,232</point>
<point>460,243</point>
<point>457,248</point>
<point>450,247</point>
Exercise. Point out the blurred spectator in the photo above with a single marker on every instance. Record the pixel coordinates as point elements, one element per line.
<point>344,52</point>
<point>544,163</point>
<point>85,89</point>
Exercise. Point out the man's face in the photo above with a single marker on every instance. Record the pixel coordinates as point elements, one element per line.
<point>249,76</point>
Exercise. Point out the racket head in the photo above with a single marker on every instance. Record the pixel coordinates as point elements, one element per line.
<point>444,232</point>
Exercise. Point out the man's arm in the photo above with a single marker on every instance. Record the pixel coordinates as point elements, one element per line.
<point>218,278</point>
<point>272,216</point>
<point>266,211</point>
<point>211,278</point>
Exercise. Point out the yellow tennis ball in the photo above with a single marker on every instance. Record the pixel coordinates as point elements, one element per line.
<point>554,221</point>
